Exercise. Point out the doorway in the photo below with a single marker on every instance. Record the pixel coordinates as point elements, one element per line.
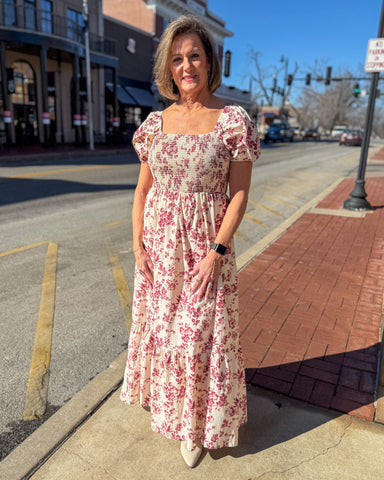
<point>24,104</point>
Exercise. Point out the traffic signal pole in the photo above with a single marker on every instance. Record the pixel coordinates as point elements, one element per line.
<point>357,199</point>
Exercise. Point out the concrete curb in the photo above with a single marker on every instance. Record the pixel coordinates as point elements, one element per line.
<point>69,155</point>
<point>30,454</point>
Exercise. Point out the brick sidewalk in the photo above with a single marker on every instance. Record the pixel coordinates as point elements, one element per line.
<point>379,155</point>
<point>311,304</point>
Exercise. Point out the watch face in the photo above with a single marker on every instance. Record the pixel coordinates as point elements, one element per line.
<point>219,248</point>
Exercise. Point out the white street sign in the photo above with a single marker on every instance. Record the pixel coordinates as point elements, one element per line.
<point>375,55</point>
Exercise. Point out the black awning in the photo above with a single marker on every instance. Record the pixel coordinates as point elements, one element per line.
<point>122,95</point>
<point>143,97</point>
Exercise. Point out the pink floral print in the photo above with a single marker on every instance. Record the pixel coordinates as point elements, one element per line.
<point>184,357</point>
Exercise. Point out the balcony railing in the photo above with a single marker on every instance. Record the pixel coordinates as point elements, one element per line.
<point>43,21</point>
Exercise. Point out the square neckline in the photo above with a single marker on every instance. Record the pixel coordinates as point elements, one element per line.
<point>192,134</point>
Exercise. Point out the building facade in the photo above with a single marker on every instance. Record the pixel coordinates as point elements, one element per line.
<point>43,80</point>
<point>135,99</point>
<point>151,17</point>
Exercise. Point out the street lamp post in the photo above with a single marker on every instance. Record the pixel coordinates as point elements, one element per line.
<point>285,60</point>
<point>357,199</point>
<point>88,74</point>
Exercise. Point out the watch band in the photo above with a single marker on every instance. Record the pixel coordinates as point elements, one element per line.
<point>219,248</point>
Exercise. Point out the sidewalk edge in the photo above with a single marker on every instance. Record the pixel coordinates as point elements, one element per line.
<point>35,449</point>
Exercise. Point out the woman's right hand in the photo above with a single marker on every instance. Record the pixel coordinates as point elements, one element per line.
<point>144,265</point>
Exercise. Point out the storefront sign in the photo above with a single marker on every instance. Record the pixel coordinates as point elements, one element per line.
<point>7,116</point>
<point>76,120</point>
<point>46,118</point>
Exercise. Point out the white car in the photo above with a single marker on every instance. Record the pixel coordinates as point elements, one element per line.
<point>338,130</point>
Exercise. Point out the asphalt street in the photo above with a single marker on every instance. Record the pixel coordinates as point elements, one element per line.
<point>67,264</point>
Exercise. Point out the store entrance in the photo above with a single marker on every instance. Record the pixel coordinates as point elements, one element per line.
<point>25,124</point>
<point>24,104</point>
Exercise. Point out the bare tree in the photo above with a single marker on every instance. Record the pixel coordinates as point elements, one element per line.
<point>271,75</point>
<point>334,105</point>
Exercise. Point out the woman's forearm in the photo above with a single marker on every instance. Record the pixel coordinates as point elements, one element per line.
<point>138,219</point>
<point>232,218</point>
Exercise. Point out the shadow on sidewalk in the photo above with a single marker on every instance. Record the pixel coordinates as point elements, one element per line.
<point>14,190</point>
<point>343,383</point>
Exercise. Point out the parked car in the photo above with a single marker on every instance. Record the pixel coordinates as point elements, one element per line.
<point>279,132</point>
<point>311,134</point>
<point>351,137</point>
<point>338,130</point>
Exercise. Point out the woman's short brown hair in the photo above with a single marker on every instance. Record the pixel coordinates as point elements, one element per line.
<point>162,70</point>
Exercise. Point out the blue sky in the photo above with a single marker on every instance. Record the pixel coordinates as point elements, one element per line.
<point>302,30</point>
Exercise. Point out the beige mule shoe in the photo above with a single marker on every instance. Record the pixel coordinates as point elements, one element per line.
<point>191,457</point>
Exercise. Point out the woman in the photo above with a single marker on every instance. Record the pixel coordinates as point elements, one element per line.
<point>184,356</point>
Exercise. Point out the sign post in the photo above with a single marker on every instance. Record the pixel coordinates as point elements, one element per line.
<point>375,64</point>
<point>88,71</point>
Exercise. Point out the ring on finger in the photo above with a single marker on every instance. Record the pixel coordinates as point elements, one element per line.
<point>210,284</point>
<point>197,280</point>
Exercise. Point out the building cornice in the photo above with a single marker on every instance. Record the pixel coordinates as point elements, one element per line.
<point>213,22</point>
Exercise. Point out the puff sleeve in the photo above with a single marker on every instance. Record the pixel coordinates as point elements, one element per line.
<point>143,137</point>
<point>240,136</point>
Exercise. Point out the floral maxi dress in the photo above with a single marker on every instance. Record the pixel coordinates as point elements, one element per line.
<point>184,356</point>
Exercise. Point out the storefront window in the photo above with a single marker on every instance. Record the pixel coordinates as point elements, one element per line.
<point>75,25</point>
<point>24,104</point>
<point>46,16</point>
<point>9,13</point>
<point>30,14</point>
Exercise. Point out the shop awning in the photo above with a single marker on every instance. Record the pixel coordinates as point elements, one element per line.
<point>122,95</point>
<point>143,97</point>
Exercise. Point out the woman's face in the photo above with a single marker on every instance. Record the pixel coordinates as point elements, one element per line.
<point>189,64</point>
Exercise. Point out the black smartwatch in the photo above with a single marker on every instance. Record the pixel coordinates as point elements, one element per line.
<point>217,247</point>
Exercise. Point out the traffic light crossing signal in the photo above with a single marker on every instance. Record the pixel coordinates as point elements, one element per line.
<point>289,79</point>
<point>328,76</point>
<point>227,63</point>
<point>356,91</point>
<point>308,79</point>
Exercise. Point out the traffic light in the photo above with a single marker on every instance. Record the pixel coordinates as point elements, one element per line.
<point>289,79</point>
<point>356,92</point>
<point>308,79</point>
<point>328,76</point>
<point>227,63</point>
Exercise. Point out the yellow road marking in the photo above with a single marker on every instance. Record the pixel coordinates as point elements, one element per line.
<point>242,236</point>
<point>266,208</point>
<point>259,222</point>
<point>67,170</point>
<point>293,188</point>
<point>37,390</point>
<point>281,191</point>
<point>121,285</point>
<point>22,249</point>
<point>280,201</point>
<point>112,224</point>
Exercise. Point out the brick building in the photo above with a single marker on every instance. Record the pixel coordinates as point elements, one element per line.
<point>151,17</point>
<point>43,95</point>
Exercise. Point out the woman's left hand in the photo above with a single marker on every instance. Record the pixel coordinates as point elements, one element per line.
<point>205,275</point>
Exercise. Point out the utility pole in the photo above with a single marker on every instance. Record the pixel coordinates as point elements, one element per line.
<point>357,199</point>
<point>88,74</point>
